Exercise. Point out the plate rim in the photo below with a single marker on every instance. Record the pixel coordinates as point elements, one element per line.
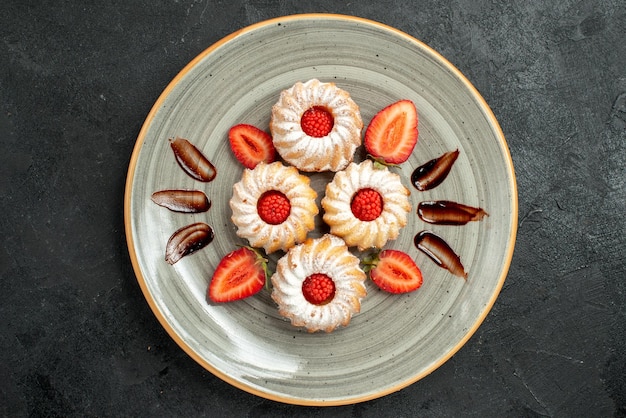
<point>142,280</point>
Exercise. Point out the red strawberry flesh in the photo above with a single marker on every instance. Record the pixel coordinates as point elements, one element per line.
<point>392,133</point>
<point>238,275</point>
<point>250,145</point>
<point>396,272</point>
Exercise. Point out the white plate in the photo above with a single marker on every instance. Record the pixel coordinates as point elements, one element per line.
<point>395,340</point>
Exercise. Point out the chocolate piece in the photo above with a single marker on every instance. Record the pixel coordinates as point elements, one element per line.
<point>192,161</point>
<point>186,201</point>
<point>434,172</point>
<point>445,212</point>
<point>187,240</point>
<point>440,252</point>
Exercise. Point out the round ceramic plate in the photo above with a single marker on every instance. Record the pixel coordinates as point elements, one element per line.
<point>396,339</point>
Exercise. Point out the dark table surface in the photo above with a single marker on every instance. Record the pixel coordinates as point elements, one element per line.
<point>77,80</point>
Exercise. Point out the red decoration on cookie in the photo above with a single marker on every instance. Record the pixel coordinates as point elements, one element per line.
<point>367,204</point>
<point>318,289</point>
<point>317,122</point>
<point>273,207</point>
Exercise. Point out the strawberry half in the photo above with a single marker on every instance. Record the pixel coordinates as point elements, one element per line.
<point>392,133</point>
<point>241,273</point>
<point>250,145</point>
<point>394,271</point>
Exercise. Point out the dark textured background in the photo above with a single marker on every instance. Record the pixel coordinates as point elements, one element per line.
<point>76,82</point>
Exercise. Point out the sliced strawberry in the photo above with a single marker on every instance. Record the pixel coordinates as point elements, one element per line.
<point>392,133</point>
<point>394,271</point>
<point>251,145</point>
<point>241,273</point>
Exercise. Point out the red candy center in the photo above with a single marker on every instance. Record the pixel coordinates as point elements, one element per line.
<point>317,122</point>
<point>273,207</point>
<point>318,289</point>
<point>367,204</point>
